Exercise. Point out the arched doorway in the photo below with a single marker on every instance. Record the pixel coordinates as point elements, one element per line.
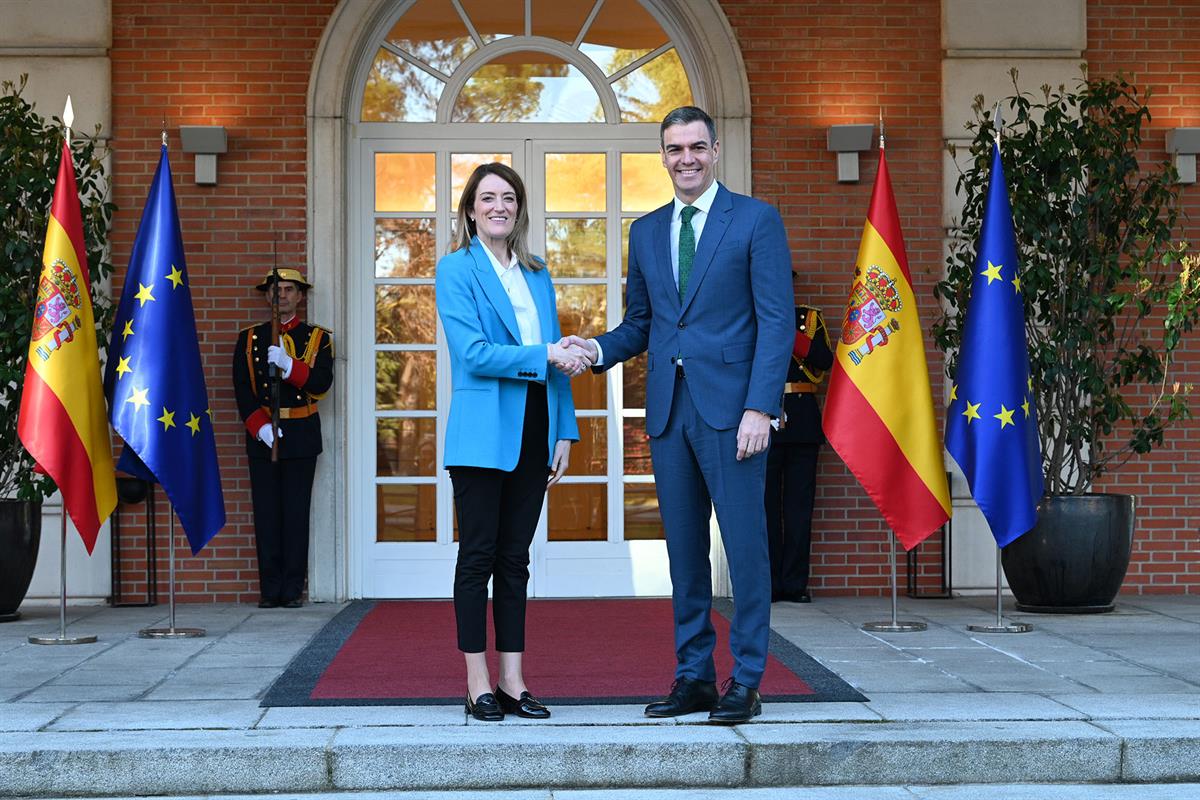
<point>570,94</point>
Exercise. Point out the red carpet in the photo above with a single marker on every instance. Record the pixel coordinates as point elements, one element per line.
<point>578,651</point>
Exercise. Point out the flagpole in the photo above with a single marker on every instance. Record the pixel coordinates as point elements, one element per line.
<point>1001,626</point>
<point>62,637</point>
<point>68,117</point>
<point>895,625</point>
<point>171,632</point>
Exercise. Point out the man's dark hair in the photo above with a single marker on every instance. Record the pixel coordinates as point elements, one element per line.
<point>686,115</point>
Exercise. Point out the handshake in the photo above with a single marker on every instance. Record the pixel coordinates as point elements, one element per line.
<point>572,355</point>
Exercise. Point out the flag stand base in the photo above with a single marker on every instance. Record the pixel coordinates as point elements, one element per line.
<point>1012,627</point>
<point>62,637</point>
<point>1000,626</point>
<point>894,625</point>
<point>171,632</point>
<point>900,626</point>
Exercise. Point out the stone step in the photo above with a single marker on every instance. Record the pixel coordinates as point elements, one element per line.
<point>1023,791</point>
<point>481,757</point>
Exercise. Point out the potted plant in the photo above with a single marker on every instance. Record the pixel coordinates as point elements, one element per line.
<point>29,152</point>
<point>1109,295</point>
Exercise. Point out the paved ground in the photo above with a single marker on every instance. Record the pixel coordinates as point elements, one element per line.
<point>1085,703</point>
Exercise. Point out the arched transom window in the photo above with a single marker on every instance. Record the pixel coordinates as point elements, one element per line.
<point>534,61</point>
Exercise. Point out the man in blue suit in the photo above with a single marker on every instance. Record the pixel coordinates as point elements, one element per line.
<point>710,298</point>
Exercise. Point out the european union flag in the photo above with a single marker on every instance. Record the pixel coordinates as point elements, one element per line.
<point>154,381</point>
<point>991,425</point>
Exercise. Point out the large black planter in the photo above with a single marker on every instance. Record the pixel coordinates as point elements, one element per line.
<point>1075,558</point>
<point>20,535</point>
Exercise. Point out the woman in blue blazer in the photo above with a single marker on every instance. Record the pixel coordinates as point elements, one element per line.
<point>511,424</point>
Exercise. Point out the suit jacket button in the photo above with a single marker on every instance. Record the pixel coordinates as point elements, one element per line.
<point>682,325</point>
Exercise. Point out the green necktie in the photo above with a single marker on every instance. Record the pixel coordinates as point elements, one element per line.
<point>687,248</point>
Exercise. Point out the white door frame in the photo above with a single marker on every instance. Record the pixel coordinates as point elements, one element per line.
<point>708,48</point>
<point>558,568</point>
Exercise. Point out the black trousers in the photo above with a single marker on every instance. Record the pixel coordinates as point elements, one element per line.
<point>281,495</point>
<point>497,514</point>
<point>791,492</point>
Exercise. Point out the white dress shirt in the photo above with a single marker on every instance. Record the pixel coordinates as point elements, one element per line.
<point>513,280</point>
<point>702,205</point>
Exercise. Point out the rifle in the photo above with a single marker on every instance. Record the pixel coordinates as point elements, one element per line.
<point>273,370</point>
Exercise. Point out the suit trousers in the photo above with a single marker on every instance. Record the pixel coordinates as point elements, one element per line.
<point>791,492</point>
<point>696,469</point>
<point>497,515</point>
<point>281,495</point>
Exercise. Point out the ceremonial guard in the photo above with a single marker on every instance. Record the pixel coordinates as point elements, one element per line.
<point>792,460</point>
<point>279,380</point>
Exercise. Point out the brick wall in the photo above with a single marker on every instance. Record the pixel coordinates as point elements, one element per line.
<point>1155,43</point>
<point>244,65</point>
<point>812,65</point>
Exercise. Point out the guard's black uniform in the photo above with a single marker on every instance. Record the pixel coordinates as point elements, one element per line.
<point>281,491</point>
<point>792,459</point>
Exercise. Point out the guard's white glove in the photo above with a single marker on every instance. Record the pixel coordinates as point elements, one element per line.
<point>266,437</point>
<point>278,356</point>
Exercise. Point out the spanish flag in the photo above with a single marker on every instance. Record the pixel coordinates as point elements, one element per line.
<point>62,421</point>
<point>879,410</point>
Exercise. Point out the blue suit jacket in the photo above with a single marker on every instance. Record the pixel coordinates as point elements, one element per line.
<point>735,327</point>
<point>490,368</point>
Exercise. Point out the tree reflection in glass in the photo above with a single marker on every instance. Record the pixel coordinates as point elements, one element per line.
<point>575,248</point>
<point>527,87</point>
<point>406,380</point>
<point>648,93</point>
<point>432,31</point>
<point>642,520</point>
<point>405,513</point>
<point>397,91</point>
<point>405,315</point>
<point>577,512</point>
<point>404,248</point>
<point>405,447</point>
<point>582,310</point>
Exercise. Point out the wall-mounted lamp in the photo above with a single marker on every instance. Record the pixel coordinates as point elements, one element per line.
<point>206,141</point>
<point>1185,144</point>
<point>848,141</point>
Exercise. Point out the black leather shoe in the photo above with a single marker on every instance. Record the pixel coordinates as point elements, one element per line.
<point>687,696</point>
<point>485,708</point>
<point>265,603</point>
<point>293,603</point>
<point>739,703</point>
<point>795,597</point>
<point>526,705</point>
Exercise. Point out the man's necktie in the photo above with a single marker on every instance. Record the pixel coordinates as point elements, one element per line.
<point>687,248</point>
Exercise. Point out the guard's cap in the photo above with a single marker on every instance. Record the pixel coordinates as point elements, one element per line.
<point>285,274</point>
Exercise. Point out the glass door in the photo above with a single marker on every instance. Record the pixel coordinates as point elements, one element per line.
<point>404,522</point>
<point>600,533</point>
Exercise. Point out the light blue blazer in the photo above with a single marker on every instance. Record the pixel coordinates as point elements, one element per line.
<point>490,368</point>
